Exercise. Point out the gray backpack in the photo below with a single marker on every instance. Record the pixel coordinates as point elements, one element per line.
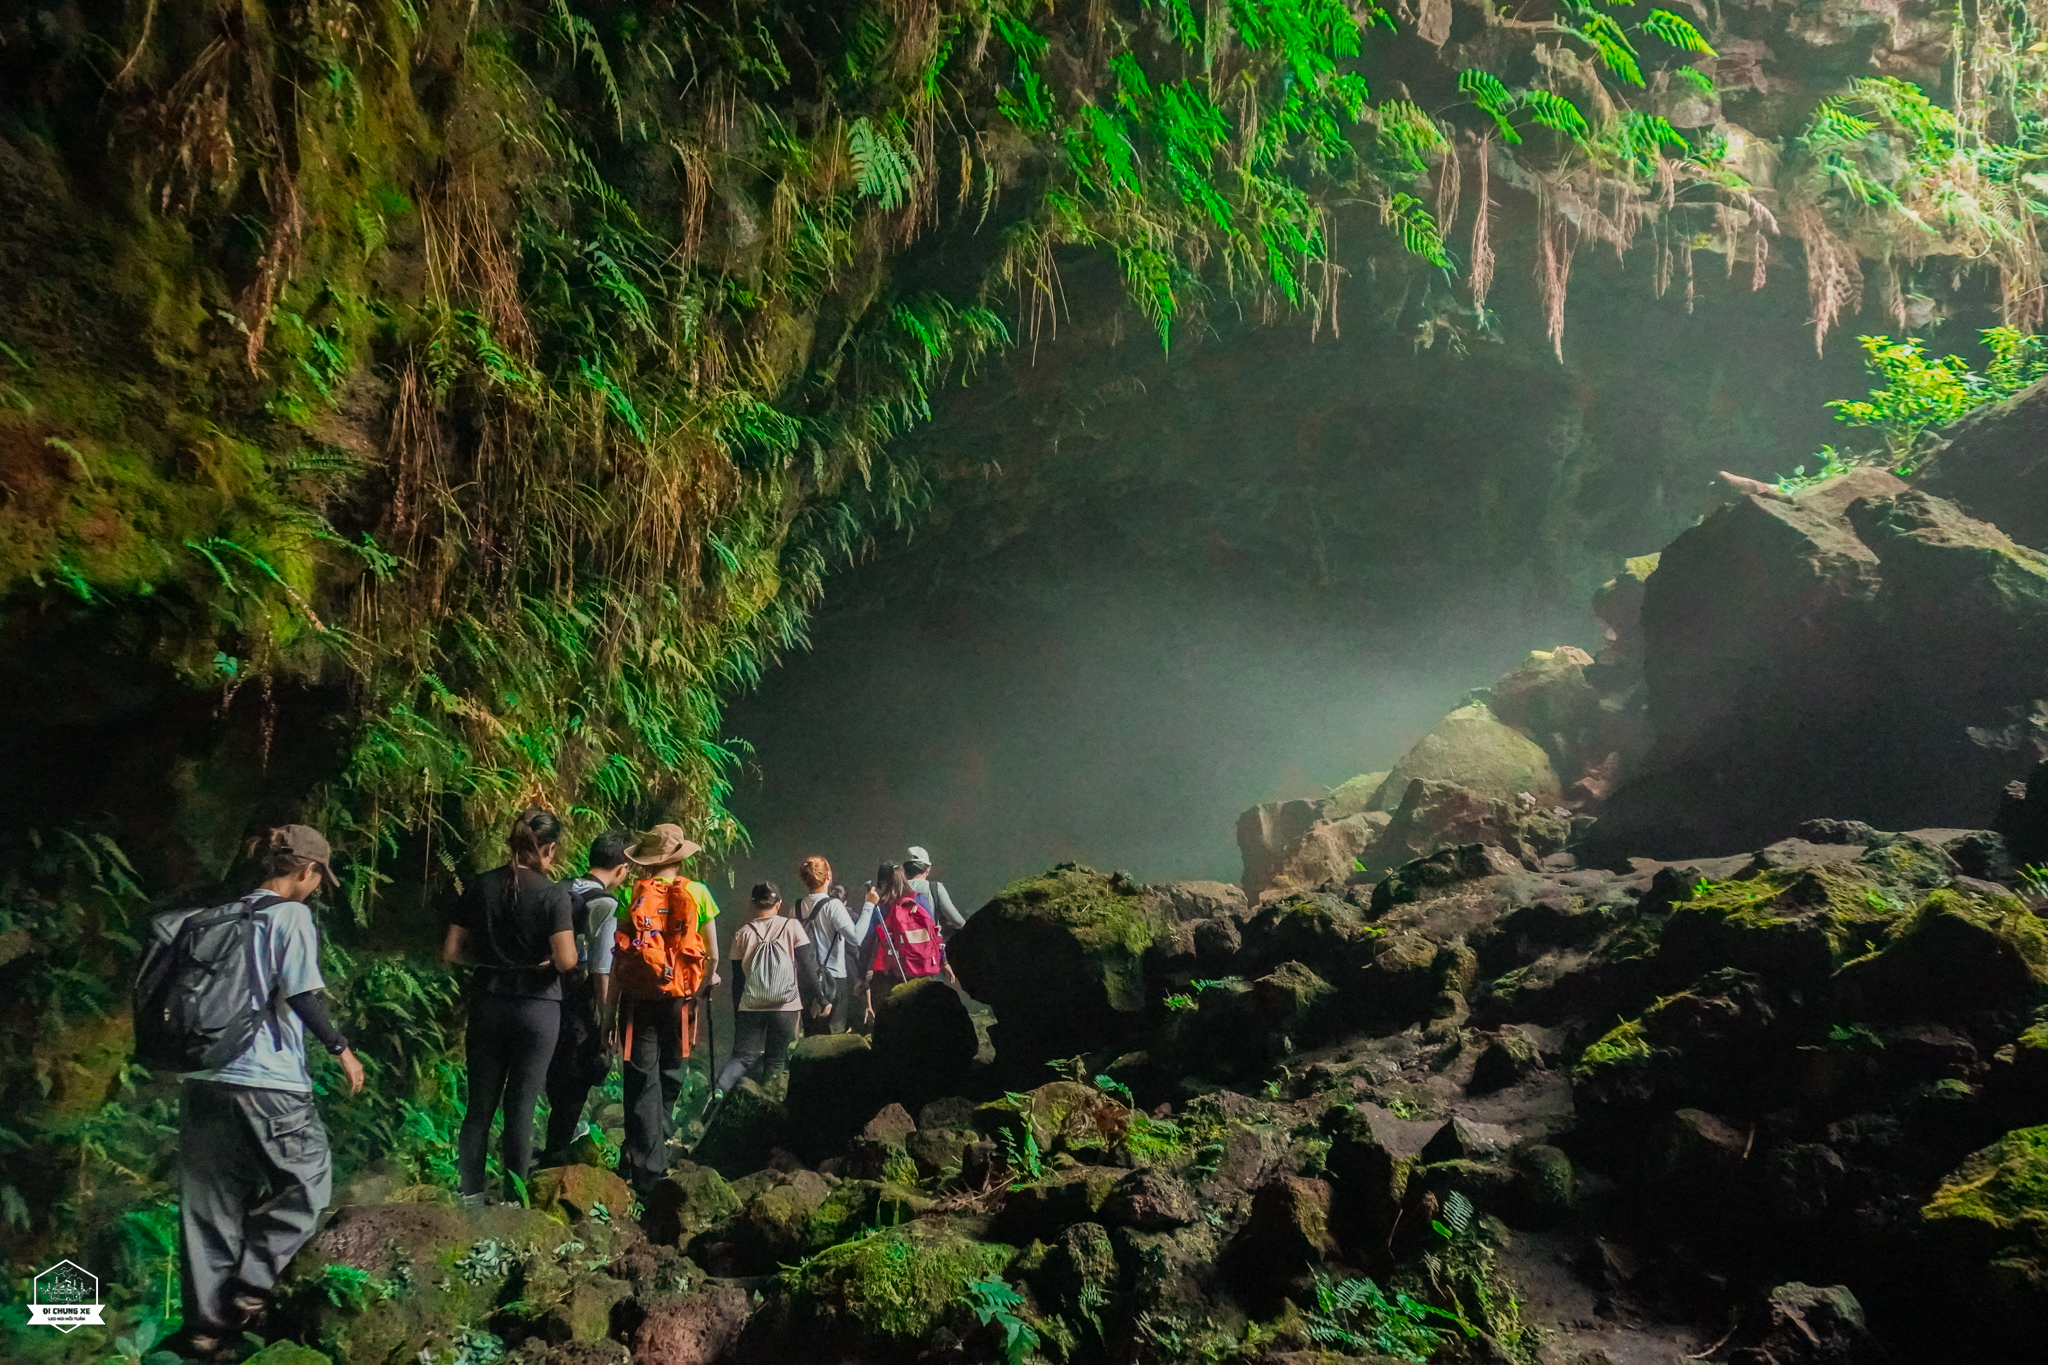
<point>771,977</point>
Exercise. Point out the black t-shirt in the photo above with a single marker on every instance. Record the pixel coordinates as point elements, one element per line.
<point>510,942</point>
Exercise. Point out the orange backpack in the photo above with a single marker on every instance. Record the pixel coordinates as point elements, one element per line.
<point>659,949</point>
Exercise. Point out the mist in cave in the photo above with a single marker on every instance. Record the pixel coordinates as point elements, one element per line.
<point>1251,570</point>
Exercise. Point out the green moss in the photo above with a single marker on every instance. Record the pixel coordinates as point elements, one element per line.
<point>287,1353</point>
<point>2003,1187</point>
<point>901,1282</point>
<point>1800,923</point>
<point>1101,911</point>
<point>1622,1047</point>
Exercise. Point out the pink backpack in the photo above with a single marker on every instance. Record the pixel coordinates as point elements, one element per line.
<point>909,945</point>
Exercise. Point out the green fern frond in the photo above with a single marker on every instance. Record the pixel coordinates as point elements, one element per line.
<point>884,166</point>
<point>1553,110</point>
<point>1834,126</point>
<point>583,34</point>
<point>1696,78</point>
<point>1607,39</point>
<point>1407,132</point>
<point>1677,31</point>
<point>1491,94</point>
<point>1907,105</point>
<point>1643,138</point>
<point>1416,228</point>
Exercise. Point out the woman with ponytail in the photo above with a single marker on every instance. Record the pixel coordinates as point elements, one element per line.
<point>518,927</point>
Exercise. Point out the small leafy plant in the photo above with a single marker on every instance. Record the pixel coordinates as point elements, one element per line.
<point>995,1303</point>
<point>1357,1317</point>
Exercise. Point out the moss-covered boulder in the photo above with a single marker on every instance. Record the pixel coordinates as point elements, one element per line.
<point>1471,748</point>
<point>577,1192</point>
<point>1707,1043</point>
<point>1038,1209</point>
<point>689,1199</point>
<point>1794,926</point>
<point>897,1285</point>
<point>1549,1186</point>
<point>1506,1060</point>
<point>1060,959</point>
<point>287,1353</point>
<point>749,1125</point>
<point>387,1282</point>
<point>1062,1116</point>
<point>1286,1236</point>
<point>1368,1183</point>
<point>1953,956</point>
<point>1989,1218</point>
<point>1078,1274</point>
<point>1322,931</point>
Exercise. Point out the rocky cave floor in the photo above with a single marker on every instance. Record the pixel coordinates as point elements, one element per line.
<point>1758,1110</point>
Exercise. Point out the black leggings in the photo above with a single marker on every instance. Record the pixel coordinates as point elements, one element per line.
<point>511,1040</point>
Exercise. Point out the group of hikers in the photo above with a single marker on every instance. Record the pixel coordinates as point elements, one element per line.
<point>613,965</point>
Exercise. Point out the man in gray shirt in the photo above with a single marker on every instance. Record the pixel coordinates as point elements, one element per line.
<point>918,867</point>
<point>255,1170</point>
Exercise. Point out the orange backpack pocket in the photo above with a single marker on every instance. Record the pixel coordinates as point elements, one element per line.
<point>658,949</point>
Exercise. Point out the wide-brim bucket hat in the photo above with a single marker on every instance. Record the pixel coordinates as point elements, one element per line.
<point>662,845</point>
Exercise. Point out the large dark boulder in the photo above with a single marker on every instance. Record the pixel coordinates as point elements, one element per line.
<point>1994,465</point>
<point>836,1083</point>
<point>924,1041</point>
<point>1060,960</point>
<point>1862,650</point>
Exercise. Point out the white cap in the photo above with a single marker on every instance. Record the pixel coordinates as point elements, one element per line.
<point>918,855</point>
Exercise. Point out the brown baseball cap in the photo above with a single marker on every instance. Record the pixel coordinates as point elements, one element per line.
<point>308,843</point>
<point>662,845</point>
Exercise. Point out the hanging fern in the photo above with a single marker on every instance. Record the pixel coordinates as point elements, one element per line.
<point>1408,133</point>
<point>1611,43</point>
<point>1834,126</point>
<point>1641,139</point>
<point>1677,31</point>
<point>1553,110</point>
<point>1416,228</point>
<point>582,34</point>
<point>884,166</point>
<point>1906,105</point>
<point>1488,92</point>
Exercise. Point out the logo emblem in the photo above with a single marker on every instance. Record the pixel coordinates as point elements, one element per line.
<point>66,1297</point>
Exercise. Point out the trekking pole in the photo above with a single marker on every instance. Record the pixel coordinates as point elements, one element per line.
<point>709,1113</point>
